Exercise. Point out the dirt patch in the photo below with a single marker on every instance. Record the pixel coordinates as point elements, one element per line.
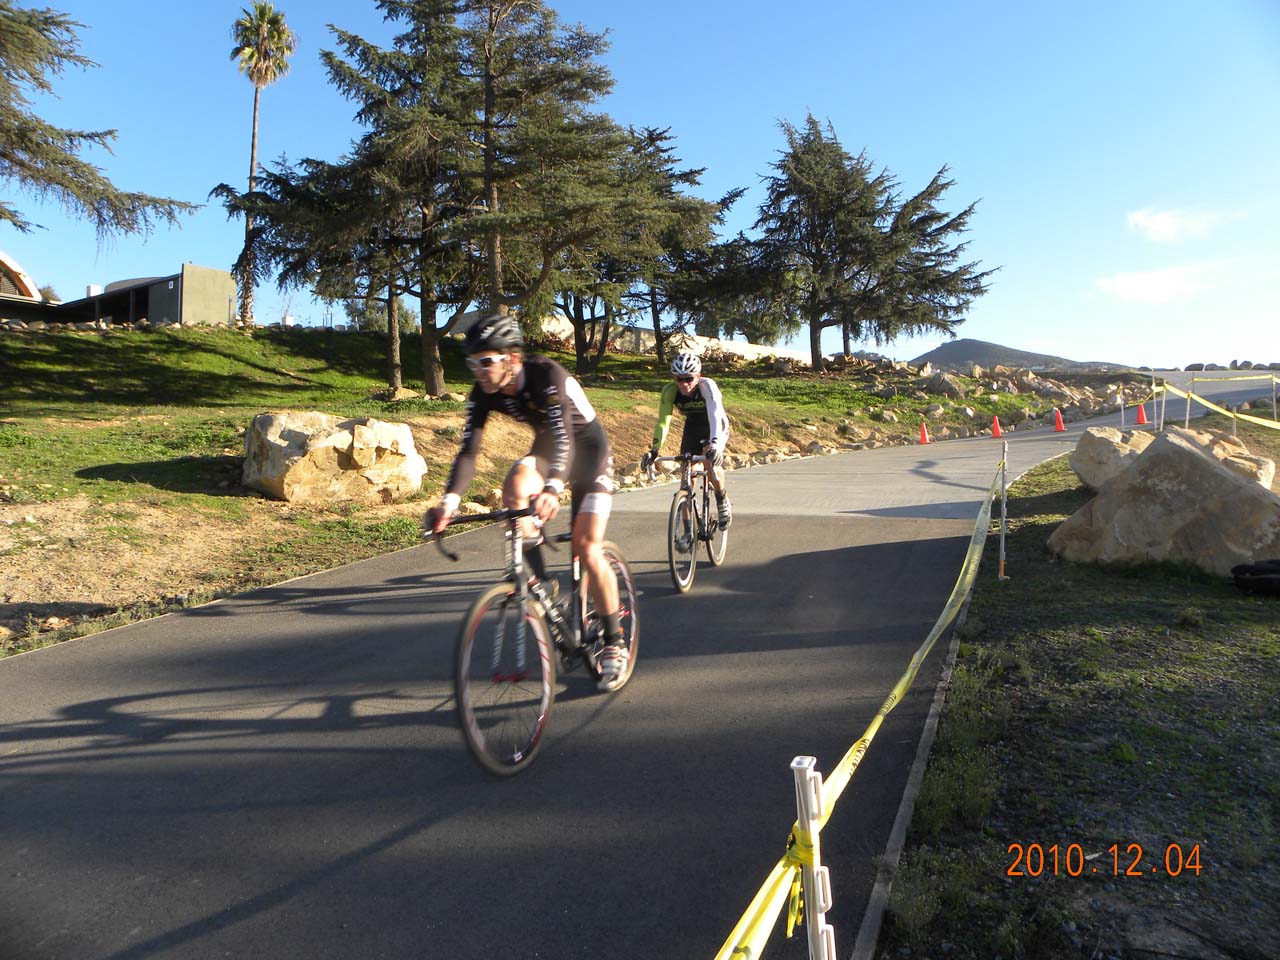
<point>75,558</point>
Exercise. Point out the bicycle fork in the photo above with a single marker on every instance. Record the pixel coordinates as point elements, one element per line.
<point>515,563</point>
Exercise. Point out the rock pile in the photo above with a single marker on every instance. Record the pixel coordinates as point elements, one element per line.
<point>1188,497</point>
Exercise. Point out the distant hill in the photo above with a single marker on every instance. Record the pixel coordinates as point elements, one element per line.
<point>962,354</point>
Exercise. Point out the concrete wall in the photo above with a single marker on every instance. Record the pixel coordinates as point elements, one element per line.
<point>641,340</point>
<point>205,295</point>
<point>164,301</point>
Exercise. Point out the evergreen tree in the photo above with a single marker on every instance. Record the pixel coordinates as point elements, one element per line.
<point>371,313</point>
<point>37,45</point>
<point>419,110</point>
<point>327,226</point>
<point>614,273</point>
<point>725,291</point>
<point>545,184</point>
<point>263,45</point>
<point>852,254</point>
<point>685,239</point>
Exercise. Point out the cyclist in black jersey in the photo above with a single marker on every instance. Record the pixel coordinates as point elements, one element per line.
<point>569,449</point>
<point>706,426</point>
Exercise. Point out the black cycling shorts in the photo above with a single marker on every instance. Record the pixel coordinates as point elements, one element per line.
<point>692,441</point>
<point>591,473</point>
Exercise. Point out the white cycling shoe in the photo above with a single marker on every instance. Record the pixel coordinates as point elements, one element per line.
<point>613,666</point>
<point>725,509</point>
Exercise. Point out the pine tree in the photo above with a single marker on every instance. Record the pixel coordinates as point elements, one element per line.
<point>614,272</point>
<point>855,256</point>
<point>42,160</point>
<point>684,239</point>
<point>419,110</point>
<point>544,185</point>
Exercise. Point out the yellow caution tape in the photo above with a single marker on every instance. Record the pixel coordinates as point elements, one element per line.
<point>782,886</point>
<point>1217,409</point>
<point>1260,376</point>
<point>747,940</point>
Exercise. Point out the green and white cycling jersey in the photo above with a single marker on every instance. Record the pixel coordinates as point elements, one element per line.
<point>705,421</point>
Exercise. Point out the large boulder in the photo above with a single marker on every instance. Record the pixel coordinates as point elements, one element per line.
<point>946,385</point>
<point>1103,453</point>
<point>1233,453</point>
<point>303,457</point>
<point>1176,502</point>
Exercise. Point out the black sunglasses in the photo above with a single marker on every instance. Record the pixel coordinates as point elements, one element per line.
<point>484,363</point>
<point>685,379</point>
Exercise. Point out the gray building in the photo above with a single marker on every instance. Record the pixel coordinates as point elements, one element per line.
<point>196,295</point>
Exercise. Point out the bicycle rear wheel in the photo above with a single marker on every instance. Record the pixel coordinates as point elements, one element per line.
<point>682,540</point>
<point>717,536</point>
<point>504,682</point>
<point>628,611</point>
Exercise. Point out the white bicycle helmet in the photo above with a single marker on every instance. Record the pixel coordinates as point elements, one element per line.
<point>686,364</point>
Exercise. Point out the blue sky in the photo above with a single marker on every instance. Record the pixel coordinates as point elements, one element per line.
<point>1124,156</point>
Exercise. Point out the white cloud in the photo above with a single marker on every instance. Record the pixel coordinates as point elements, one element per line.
<point>1174,226</point>
<point>1162,286</point>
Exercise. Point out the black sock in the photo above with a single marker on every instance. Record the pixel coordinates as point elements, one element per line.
<point>612,629</point>
<point>533,557</point>
<point>719,496</point>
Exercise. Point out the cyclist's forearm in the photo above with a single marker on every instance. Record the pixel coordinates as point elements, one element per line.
<point>666,407</point>
<point>464,464</point>
<point>660,431</point>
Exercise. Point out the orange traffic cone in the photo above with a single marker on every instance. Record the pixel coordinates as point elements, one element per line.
<point>995,427</point>
<point>1058,425</point>
<point>924,433</point>
<point>1142,413</point>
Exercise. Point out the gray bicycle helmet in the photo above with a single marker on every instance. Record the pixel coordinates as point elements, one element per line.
<point>497,331</point>
<point>686,364</point>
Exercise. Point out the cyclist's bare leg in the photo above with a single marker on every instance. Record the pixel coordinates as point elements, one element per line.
<point>522,484</point>
<point>588,533</point>
<point>716,476</point>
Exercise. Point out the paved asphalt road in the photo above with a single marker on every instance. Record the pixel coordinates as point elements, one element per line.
<point>280,774</point>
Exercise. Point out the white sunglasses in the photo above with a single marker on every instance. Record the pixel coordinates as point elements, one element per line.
<point>484,363</point>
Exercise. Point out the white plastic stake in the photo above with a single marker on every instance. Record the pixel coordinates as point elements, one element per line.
<point>1191,388</point>
<point>1004,505</point>
<point>815,879</point>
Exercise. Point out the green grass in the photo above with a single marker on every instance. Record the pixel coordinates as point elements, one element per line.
<point>1096,706</point>
<point>155,420</point>
<point>115,414</point>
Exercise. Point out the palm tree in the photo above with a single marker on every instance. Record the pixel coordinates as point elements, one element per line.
<point>263,45</point>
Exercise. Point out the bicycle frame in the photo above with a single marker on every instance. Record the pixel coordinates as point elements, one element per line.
<point>570,634</point>
<point>689,478</point>
<point>505,670</point>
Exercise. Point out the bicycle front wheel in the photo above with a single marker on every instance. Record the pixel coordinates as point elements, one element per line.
<point>505,679</point>
<point>717,537</point>
<point>682,540</point>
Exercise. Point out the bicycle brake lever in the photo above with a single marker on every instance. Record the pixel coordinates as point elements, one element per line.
<point>439,539</point>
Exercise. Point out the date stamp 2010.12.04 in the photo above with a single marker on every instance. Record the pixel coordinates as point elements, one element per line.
<point>1118,860</point>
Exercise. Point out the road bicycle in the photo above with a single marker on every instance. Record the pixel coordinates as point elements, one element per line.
<point>512,639</point>
<point>693,520</point>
